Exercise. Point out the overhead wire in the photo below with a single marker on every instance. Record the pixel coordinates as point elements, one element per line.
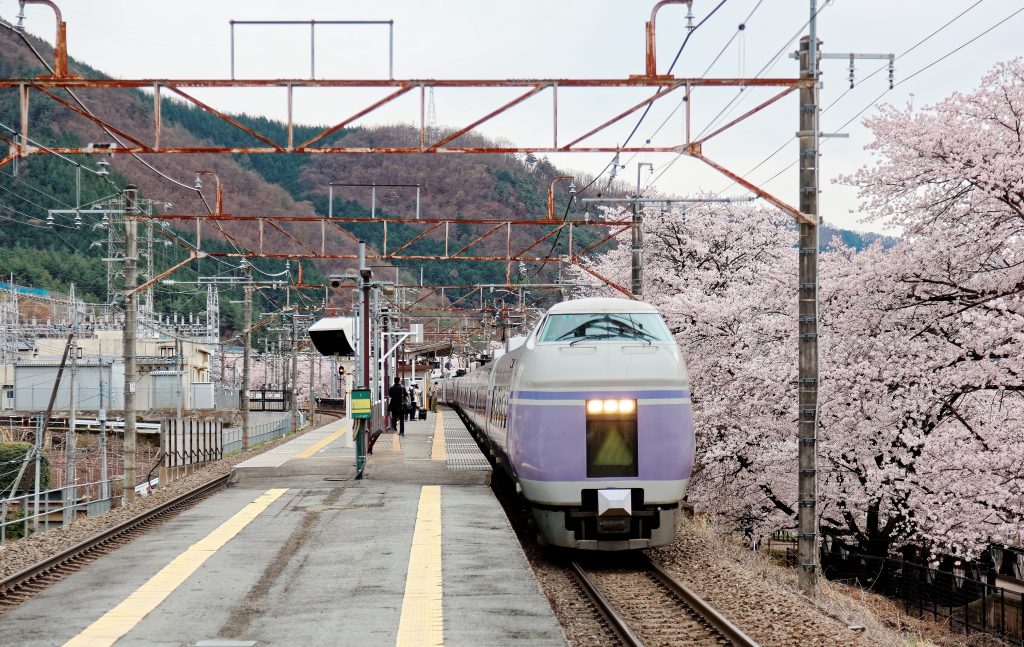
<point>725,111</point>
<point>613,161</point>
<point>81,104</point>
<point>741,27</point>
<point>928,66</point>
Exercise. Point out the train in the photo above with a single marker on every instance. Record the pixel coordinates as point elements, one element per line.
<point>591,419</point>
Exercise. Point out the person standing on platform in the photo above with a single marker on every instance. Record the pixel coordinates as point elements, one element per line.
<point>417,405</point>
<point>396,404</point>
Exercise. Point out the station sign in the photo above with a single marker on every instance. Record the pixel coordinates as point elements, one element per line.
<point>361,407</point>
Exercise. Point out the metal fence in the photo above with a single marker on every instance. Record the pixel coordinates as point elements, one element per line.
<point>258,433</point>
<point>970,605</point>
<point>47,508</point>
<point>269,399</point>
<point>190,441</point>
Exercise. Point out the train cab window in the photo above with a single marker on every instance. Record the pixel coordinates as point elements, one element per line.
<point>643,326</point>
<point>611,438</point>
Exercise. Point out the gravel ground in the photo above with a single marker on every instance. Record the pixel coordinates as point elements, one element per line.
<point>18,555</point>
<point>756,594</point>
<point>747,589</point>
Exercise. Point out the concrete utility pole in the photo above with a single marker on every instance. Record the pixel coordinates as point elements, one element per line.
<point>807,514</point>
<point>243,402</point>
<point>295,371</point>
<point>312,384</point>
<point>131,313</point>
<point>637,287</point>
<point>70,438</point>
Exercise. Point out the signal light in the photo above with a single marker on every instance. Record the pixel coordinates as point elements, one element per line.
<point>598,407</point>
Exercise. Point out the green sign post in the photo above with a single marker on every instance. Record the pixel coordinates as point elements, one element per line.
<point>362,411</point>
<point>361,407</point>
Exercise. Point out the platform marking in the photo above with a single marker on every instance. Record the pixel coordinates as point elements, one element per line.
<point>122,618</point>
<point>437,450</point>
<point>312,449</point>
<point>422,622</point>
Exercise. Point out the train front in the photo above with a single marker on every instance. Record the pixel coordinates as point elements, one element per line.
<point>600,430</point>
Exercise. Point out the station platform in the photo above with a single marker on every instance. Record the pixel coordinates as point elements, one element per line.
<point>297,552</point>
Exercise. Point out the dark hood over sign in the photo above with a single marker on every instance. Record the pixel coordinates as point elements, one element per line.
<point>333,336</point>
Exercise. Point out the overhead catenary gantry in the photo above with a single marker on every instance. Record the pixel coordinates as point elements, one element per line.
<point>659,86</point>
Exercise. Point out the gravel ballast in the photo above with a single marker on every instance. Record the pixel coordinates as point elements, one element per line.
<point>756,594</point>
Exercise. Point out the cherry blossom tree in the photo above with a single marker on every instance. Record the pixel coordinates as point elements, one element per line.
<point>922,346</point>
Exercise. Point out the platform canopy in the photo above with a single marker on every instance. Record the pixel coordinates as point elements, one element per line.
<point>333,336</point>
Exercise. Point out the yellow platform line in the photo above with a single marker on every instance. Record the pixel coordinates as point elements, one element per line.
<point>122,618</point>
<point>422,621</point>
<point>437,449</point>
<point>309,451</point>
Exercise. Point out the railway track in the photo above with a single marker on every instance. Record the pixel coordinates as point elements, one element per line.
<point>33,580</point>
<point>644,605</point>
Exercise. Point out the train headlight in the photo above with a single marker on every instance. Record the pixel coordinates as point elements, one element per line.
<point>597,407</point>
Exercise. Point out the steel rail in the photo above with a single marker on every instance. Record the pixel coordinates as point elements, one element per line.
<point>721,624</point>
<point>608,612</point>
<point>36,576</point>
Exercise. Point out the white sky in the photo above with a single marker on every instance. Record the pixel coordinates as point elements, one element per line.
<point>567,39</point>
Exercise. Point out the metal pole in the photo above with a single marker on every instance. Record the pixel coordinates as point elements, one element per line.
<point>131,313</point>
<point>243,403</point>
<point>808,344</point>
<point>365,273</point>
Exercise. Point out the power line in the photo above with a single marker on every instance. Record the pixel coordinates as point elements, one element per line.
<point>729,107</point>
<point>613,161</point>
<point>82,105</point>
<point>742,26</point>
<point>914,74</point>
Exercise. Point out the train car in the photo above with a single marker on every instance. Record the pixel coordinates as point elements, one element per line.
<point>591,418</point>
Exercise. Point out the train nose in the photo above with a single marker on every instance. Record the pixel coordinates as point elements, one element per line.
<point>614,507</point>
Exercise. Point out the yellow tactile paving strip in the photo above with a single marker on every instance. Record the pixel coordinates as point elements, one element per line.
<point>312,449</point>
<point>437,449</point>
<point>422,622</point>
<point>122,618</point>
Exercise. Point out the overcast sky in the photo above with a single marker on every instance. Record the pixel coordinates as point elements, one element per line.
<point>567,39</point>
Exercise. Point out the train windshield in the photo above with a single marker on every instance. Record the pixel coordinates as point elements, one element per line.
<point>644,326</point>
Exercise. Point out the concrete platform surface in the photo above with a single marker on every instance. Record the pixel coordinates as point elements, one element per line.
<point>289,556</point>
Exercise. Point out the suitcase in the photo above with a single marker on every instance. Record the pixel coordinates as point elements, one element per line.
<point>422,414</point>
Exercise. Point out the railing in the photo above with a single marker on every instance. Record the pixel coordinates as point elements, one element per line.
<point>257,434</point>
<point>967,604</point>
<point>42,504</point>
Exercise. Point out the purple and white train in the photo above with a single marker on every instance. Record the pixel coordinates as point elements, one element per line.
<point>591,418</point>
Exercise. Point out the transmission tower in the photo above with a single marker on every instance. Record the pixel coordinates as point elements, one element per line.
<point>431,125</point>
